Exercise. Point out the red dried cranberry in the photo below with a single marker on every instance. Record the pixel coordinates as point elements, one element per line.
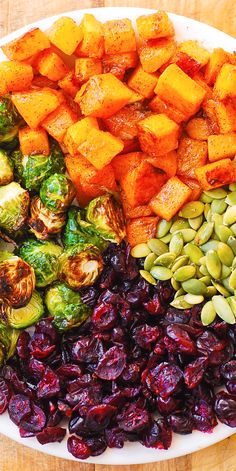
<point>160,348</point>
<point>154,306</point>
<point>112,363</point>
<point>51,435</point>
<point>5,395</point>
<point>25,433</point>
<point>104,317</point>
<point>89,296</point>
<point>131,372</point>
<point>208,343</point>
<point>54,415</point>
<point>40,346</point>
<point>22,346</point>
<point>87,350</point>
<point>203,416</point>
<point>133,418</point>
<point>45,326</point>
<point>225,408</point>
<point>119,335</point>
<point>231,387</point>
<point>228,370</point>
<point>222,356</point>
<point>139,293</point>
<point>168,405</point>
<point>181,338</point>
<point>115,437</point>
<point>64,408</point>
<point>78,448</point>
<point>17,384</point>
<point>85,396</point>
<point>35,421</point>
<point>116,399</point>
<point>164,379</point>
<point>158,435</point>
<point>19,406</point>
<point>145,335</point>
<point>176,316</point>
<point>96,444</point>
<point>181,423</point>
<point>49,385</point>
<point>36,368</point>
<point>129,393</point>
<point>77,425</point>
<point>194,372</point>
<point>99,416</point>
<point>69,371</point>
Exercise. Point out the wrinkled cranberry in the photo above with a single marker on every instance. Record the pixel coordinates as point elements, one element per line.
<point>164,379</point>
<point>77,425</point>
<point>64,408</point>
<point>208,343</point>
<point>145,335</point>
<point>203,416</point>
<point>133,418</point>
<point>45,326</point>
<point>139,293</point>
<point>166,406</point>
<point>212,376</point>
<point>181,338</point>
<point>87,350</point>
<point>25,433</point>
<point>158,435</point>
<point>17,384</point>
<point>96,444</point>
<point>225,408</point>
<point>119,335</point>
<point>116,399</point>
<point>231,387</point>
<point>131,372</point>
<point>69,371</point>
<point>111,364</point>
<point>35,421</point>
<point>51,435</point>
<point>194,372</point>
<point>98,417</point>
<point>181,423</point>
<point>104,317</point>
<point>107,278</point>
<point>36,368</point>
<point>78,448</point>
<point>115,437</point>
<point>49,385</point>
<point>54,415</point>
<point>19,406</point>
<point>176,316</point>
<point>5,395</point>
<point>89,296</point>
<point>154,306</point>
<point>228,370</point>
<point>22,346</point>
<point>222,356</point>
<point>165,291</point>
<point>40,346</point>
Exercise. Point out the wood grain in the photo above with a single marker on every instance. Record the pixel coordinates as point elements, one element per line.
<point>222,15</point>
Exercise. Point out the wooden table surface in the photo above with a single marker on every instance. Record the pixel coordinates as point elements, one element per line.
<point>222,15</point>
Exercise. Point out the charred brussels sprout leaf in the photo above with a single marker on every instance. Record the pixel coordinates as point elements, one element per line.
<point>10,120</point>
<point>106,213</point>
<point>66,307</point>
<point>57,193</point>
<point>78,231</point>
<point>8,341</point>
<point>43,257</point>
<point>44,222</point>
<point>80,265</point>
<point>17,280</point>
<point>6,172</point>
<point>27,315</point>
<point>14,204</point>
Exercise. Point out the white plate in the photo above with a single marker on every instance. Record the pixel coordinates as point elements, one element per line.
<point>133,453</point>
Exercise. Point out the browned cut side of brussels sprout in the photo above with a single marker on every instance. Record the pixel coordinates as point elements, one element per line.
<point>14,205</point>
<point>106,214</point>
<point>17,281</point>
<point>5,311</point>
<point>43,222</point>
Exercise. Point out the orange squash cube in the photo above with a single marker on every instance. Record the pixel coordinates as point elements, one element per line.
<point>102,96</point>
<point>35,105</point>
<point>221,146</point>
<point>225,85</point>
<point>199,128</point>
<point>167,163</point>
<point>142,82</point>
<point>123,124</point>
<point>92,44</point>
<point>155,53</point>
<point>77,133</point>
<point>49,64</point>
<point>225,113</point>
<point>159,106</point>
<point>178,89</point>
<point>117,64</point>
<point>100,147</point>
<point>158,134</point>
<point>69,85</point>
<point>194,185</point>
<point>217,58</point>
<point>86,67</point>
<point>156,25</point>
<point>137,211</point>
<point>216,174</point>
<point>196,51</point>
<point>125,163</point>
<point>26,45</point>
<point>57,122</point>
<point>190,155</point>
<point>15,76</point>
<point>33,141</point>
<point>170,199</point>
<point>119,36</point>
<point>65,34</point>
<point>141,230</point>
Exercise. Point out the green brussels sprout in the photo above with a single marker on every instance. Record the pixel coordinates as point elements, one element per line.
<point>43,222</point>
<point>57,193</point>
<point>6,172</point>
<point>32,170</point>
<point>66,307</point>
<point>78,231</point>
<point>8,335</point>
<point>17,280</point>
<point>106,213</point>
<point>42,255</point>
<point>10,121</point>
<point>28,315</point>
<point>14,205</point>
<point>80,265</point>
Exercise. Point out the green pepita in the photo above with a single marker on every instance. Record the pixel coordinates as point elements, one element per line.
<point>205,198</point>
<point>149,278</point>
<point>231,198</point>
<point>163,228</point>
<point>179,293</point>
<point>216,193</point>
<point>184,273</point>
<point>230,216</point>
<point>202,260</point>
<point>194,253</point>
<point>161,273</point>
<point>204,233</point>
<point>233,229</point>
<point>157,246</point>
<point>175,284</point>
<point>210,245</point>
<point>192,209</point>
<point>188,234</point>
<point>232,302</point>
<point>225,283</point>
<point>225,254</point>
<point>140,251</point>
<point>234,263</point>
<point>167,238</point>
<point>208,313</point>
<point>203,270</point>
<point>225,272</point>
<point>221,289</point>
<point>165,260</point>
<point>218,206</point>
<point>223,232</point>
<point>211,291</point>
<point>207,208</point>
<point>176,244</point>
<point>213,264</point>
<point>180,303</point>
<point>195,223</point>
<point>179,262</point>
<point>193,298</point>
<point>194,286</point>
<point>223,309</point>
<point>149,261</point>
<point>232,243</point>
<point>232,187</point>
<point>217,219</point>
<point>206,280</point>
<point>232,280</point>
<point>178,225</point>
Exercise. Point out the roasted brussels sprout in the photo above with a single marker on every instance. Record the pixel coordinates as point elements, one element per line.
<point>10,120</point>
<point>17,280</point>
<point>66,307</point>
<point>80,265</point>
<point>14,205</point>
<point>57,193</point>
<point>78,231</point>
<point>25,316</point>
<point>32,170</point>
<point>106,213</point>
<point>8,341</point>
<point>43,222</point>
<point>6,172</point>
<point>43,257</point>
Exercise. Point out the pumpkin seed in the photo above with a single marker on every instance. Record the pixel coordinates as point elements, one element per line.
<point>202,260</point>
<point>179,293</point>
<point>233,229</point>
<point>203,270</point>
<point>192,209</point>
<point>232,243</point>
<point>149,278</point>
<point>210,245</point>
<point>206,280</point>
<point>232,280</point>
<point>165,260</point>
<point>215,236</point>
<point>207,208</point>
<point>205,198</point>
<point>178,225</point>
<point>179,262</point>
<point>188,234</point>
<point>232,186</point>
<point>217,219</point>
<point>175,284</point>
<point>221,289</point>
<point>176,244</point>
<point>163,228</point>
<point>198,273</point>
<point>223,232</point>
<point>230,216</point>
<point>193,252</point>
<point>149,261</point>
<point>193,298</point>
<point>180,303</point>
<point>140,251</point>
<point>223,309</point>
<point>161,273</point>
<point>211,291</point>
<point>234,263</point>
<point>216,193</point>
<point>225,253</point>
<point>231,198</point>
<point>209,216</point>
<point>232,302</point>
<point>213,264</point>
<point>195,223</point>
<point>157,246</point>
<point>184,273</point>
<point>194,286</point>
<point>225,272</point>
<point>208,313</point>
<point>204,233</point>
<point>166,239</point>
<point>218,206</point>
<point>225,283</point>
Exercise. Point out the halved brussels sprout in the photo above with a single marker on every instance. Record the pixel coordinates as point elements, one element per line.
<point>17,280</point>
<point>66,307</point>
<point>8,341</point>
<point>106,213</point>
<point>57,193</point>
<point>14,205</point>
<point>27,315</point>
<point>6,172</point>
<point>43,257</point>
<point>43,222</point>
<point>80,265</point>
<point>78,231</point>
<point>10,121</point>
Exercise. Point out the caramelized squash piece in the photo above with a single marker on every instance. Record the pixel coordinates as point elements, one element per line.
<point>158,134</point>
<point>216,174</point>
<point>141,230</point>
<point>170,199</point>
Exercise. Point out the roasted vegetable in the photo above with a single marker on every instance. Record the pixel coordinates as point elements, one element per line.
<point>78,231</point>
<point>14,204</point>
<point>105,212</point>
<point>28,315</point>
<point>80,265</point>
<point>43,257</point>
<point>10,121</point>
<point>6,172</point>
<point>44,222</point>
<point>8,339</point>
<point>66,307</point>
<point>32,170</point>
<point>57,193</point>
<point>17,280</point>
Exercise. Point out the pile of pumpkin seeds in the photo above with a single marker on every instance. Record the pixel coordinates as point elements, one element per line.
<point>196,251</point>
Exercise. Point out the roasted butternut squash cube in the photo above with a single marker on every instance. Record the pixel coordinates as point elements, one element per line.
<point>167,163</point>
<point>137,211</point>
<point>57,123</point>
<point>194,185</point>
<point>142,82</point>
<point>68,84</point>
<point>26,45</point>
<point>50,64</point>
<point>178,89</point>
<point>190,155</point>
<point>15,76</point>
<point>65,34</point>
<point>158,134</point>
<point>124,163</point>
<point>225,113</point>
<point>199,128</point>
<point>35,105</point>
<point>123,124</point>
<point>117,64</point>
<point>196,51</point>
<point>156,25</point>
<point>102,96</point>
<point>92,44</point>
<point>155,53</point>
<point>86,67</point>
<point>141,230</point>
<point>221,146</point>
<point>216,174</point>
<point>77,133</point>
<point>159,106</point>
<point>33,141</point>
<point>170,199</point>
<point>225,85</point>
<point>100,147</point>
<point>217,58</point>
<point>119,36</point>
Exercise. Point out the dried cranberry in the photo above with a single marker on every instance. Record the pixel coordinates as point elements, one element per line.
<point>89,296</point>
<point>99,416</point>
<point>119,336</point>
<point>54,414</point>
<point>131,372</point>
<point>5,395</point>
<point>40,346</point>
<point>181,338</point>
<point>51,435</point>
<point>158,435</point>
<point>203,416</point>
<point>225,408</point>
<point>36,368</point>
<point>145,335</point>
<point>111,364</point>
<point>49,385</point>
<point>139,293</point>
<point>116,399</point>
<point>231,387</point>
<point>133,418</point>
<point>115,437</point>
<point>77,425</point>
<point>17,384</point>
<point>104,317</point>
<point>208,343</point>
<point>176,316</point>
<point>164,379</point>
<point>22,346</point>
<point>181,423</point>
<point>35,421</point>
<point>78,448</point>
<point>69,371</point>
<point>87,350</point>
<point>19,406</point>
<point>228,370</point>
<point>154,306</point>
<point>45,326</point>
<point>194,372</point>
<point>96,444</point>
<point>64,408</point>
<point>25,433</point>
<point>85,396</point>
<point>168,405</point>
